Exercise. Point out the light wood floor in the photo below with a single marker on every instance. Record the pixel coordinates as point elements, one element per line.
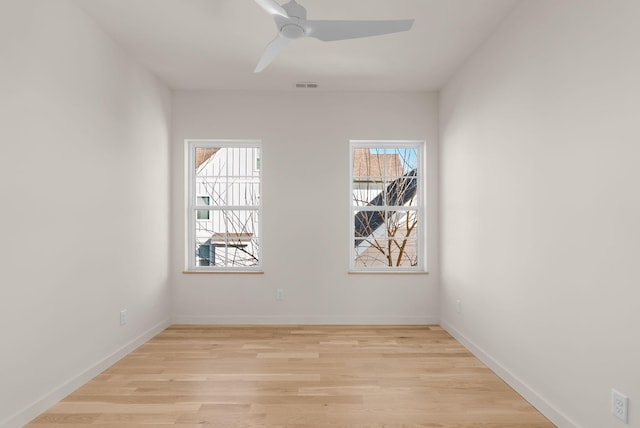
<point>294,376</point>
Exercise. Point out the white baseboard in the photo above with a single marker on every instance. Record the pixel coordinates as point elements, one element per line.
<point>547,409</point>
<point>41,405</point>
<point>303,320</point>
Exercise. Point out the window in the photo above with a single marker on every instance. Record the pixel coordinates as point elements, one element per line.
<point>224,206</point>
<point>387,206</point>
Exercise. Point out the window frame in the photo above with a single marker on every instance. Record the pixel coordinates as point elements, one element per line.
<point>192,207</point>
<point>420,207</point>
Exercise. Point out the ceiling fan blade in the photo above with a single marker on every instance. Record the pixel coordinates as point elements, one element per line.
<point>272,50</point>
<point>272,7</point>
<point>341,30</point>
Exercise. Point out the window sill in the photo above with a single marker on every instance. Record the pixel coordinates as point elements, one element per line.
<point>218,272</point>
<point>387,272</point>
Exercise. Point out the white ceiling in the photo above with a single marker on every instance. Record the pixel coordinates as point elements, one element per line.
<point>216,44</point>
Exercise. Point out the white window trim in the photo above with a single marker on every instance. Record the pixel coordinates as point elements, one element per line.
<point>191,206</point>
<point>421,206</point>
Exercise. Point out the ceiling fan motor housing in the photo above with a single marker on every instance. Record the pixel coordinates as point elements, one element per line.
<point>290,27</point>
<point>292,31</point>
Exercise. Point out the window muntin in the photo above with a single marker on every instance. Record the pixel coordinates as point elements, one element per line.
<point>387,206</point>
<point>224,210</point>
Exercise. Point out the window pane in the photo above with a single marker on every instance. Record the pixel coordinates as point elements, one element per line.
<point>371,253</point>
<point>224,201</point>
<point>228,175</point>
<point>368,224</point>
<point>230,238</point>
<point>367,193</point>
<point>401,224</point>
<point>400,161</point>
<point>367,165</point>
<point>390,162</point>
<point>387,253</point>
<point>386,176</point>
<point>402,190</point>
<point>404,252</point>
<point>202,214</point>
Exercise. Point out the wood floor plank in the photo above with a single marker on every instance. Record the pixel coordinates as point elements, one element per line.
<point>296,376</point>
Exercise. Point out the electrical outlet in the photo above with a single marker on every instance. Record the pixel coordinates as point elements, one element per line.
<point>619,406</point>
<point>458,306</point>
<point>280,294</point>
<point>123,317</point>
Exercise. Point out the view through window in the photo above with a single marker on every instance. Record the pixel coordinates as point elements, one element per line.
<point>224,205</point>
<point>387,206</point>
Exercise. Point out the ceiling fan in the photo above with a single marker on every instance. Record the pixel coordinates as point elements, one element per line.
<point>292,23</point>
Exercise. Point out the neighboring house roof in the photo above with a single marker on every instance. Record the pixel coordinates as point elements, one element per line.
<point>203,154</point>
<point>367,164</point>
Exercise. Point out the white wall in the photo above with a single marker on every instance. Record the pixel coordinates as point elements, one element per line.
<point>305,164</point>
<point>84,198</point>
<point>540,162</point>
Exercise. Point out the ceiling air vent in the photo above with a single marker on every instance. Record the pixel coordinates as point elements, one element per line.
<point>306,85</point>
